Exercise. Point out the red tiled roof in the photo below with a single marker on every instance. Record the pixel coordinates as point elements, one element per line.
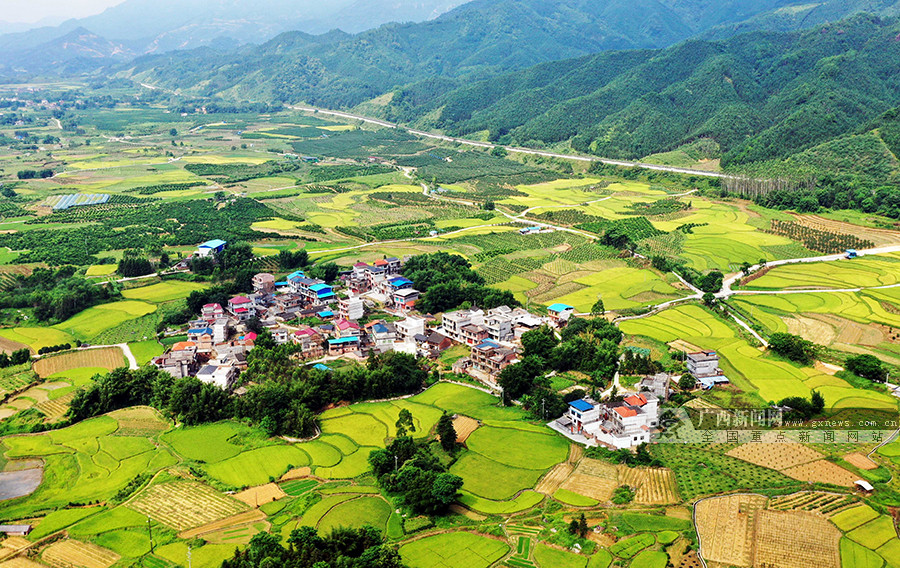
<point>241,310</point>
<point>625,412</point>
<point>636,400</point>
<point>381,262</point>
<point>182,345</point>
<point>239,300</point>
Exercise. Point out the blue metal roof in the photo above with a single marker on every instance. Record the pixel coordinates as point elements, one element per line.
<point>581,405</point>
<point>325,314</point>
<point>488,343</point>
<point>560,307</point>
<point>321,367</point>
<point>342,340</point>
<point>298,274</point>
<point>397,282</point>
<point>320,287</point>
<point>215,243</point>
<point>201,330</point>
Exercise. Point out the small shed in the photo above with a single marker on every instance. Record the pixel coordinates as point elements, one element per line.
<point>15,530</point>
<point>864,486</point>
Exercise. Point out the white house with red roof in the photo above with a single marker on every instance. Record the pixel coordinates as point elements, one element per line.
<point>212,312</point>
<point>620,424</point>
<point>346,328</point>
<point>242,307</point>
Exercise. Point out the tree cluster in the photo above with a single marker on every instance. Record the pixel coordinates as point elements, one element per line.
<point>793,347</point>
<point>801,408</point>
<point>54,348</point>
<point>590,346</point>
<point>447,281</point>
<point>868,367</point>
<point>17,357</point>
<point>55,294</point>
<point>343,548</point>
<point>411,471</point>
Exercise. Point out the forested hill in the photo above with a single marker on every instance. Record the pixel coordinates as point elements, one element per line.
<point>761,96</point>
<point>476,40</point>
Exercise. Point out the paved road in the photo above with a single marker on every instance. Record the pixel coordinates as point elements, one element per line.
<point>528,151</point>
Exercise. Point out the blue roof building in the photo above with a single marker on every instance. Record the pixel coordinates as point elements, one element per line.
<point>559,308</point>
<point>201,331</point>
<point>400,282</point>
<point>581,405</point>
<point>343,340</point>
<point>321,367</point>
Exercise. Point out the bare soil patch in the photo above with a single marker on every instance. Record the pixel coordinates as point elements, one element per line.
<point>822,471</point>
<point>551,482</point>
<point>860,461</point>
<point>296,473</point>
<point>777,456</point>
<point>464,427</point>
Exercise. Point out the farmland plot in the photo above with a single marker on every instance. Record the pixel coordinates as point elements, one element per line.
<point>795,540</point>
<point>69,553</point>
<point>107,358</point>
<point>184,505</point>
<point>654,486</point>
<point>725,526</point>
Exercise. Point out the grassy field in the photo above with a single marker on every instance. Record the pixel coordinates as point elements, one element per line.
<point>101,270</point>
<point>453,550</point>
<point>93,321</point>
<point>256,467</point>
<point>144,351</point>
<point>866,272</point>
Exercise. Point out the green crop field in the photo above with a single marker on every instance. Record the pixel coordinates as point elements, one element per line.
<point>525,500</point>
<point>874,533</point>
<point>144,351</point>
<point>113,519</point>
<point>37,337</point>
<point>574,499</point>
<point>650,559</point>
<point>453,550</point>
<point>93,321</point>
<point>629,547</point>
<point>519,448</point>
<point>101,270</point>
<point>854,517</point>
<point>259,466</point>
<point>854,555</point>
<point>163,291</point>
<point>208,443</point>
<point>85,462</point>
<point>747,367</point>
<point>493,479</point>
<point>637,522</point>
<point>863,272</point>
<point>372,511</point>
<point>547,556</point>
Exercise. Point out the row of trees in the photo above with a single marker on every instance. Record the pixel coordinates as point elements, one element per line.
<point>282,398</point>
<point>344,548</point>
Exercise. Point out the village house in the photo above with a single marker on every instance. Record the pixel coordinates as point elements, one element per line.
<point>242,308</point>
<point>704,366</point>
<point>264,283</point>
<point>560,313</point>
<point>623,424</point>
<point>436,343</point>
<point>352,308</point>
<point>410,327</point>
<point>382,333</point>
<point>490,357</point>
<point>657,384</point>
<point>343,345</point>
<point>404,299</point>
<point>452,323</point>
<point>181,360</point>
<point>212,312</point>
<point>223,376</point>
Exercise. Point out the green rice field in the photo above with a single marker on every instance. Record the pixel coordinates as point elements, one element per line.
<point>453,550</point>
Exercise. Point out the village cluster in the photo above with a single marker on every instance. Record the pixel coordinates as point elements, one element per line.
<point>218,340</point>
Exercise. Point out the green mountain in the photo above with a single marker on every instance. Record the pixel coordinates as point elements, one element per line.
<point>479,39</point>
<point>760,96</point>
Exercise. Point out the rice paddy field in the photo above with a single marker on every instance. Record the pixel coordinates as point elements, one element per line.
<point>94,321</point>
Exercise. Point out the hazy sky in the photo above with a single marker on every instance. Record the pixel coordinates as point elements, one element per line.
<point>34,10</point>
